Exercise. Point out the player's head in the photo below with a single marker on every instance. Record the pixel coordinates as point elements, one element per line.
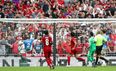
<point>98,32</point>
<point>27,37</point>
<point>46,32</point>
<point>72,34</point>
<point>91,34</point>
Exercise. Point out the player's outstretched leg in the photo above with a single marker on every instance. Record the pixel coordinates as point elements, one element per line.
<point>107,62</point>
<point>82,59</point>
<point>78,57</point>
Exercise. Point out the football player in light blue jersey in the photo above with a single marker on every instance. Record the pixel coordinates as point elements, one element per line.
<point>28,44</point>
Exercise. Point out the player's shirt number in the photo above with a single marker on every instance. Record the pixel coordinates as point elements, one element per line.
<point>47,41</point>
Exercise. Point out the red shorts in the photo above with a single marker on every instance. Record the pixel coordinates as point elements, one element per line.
<point>68,50</point>
<point>47,52</point>
<point>76,51</point>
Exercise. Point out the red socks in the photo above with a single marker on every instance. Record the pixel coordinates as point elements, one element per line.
<point>68,57</point>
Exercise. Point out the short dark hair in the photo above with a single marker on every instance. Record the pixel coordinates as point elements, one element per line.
<point>91,34</point>
<point>99,32</point>
<point>46,32</point>
<point>72,34</point>
<point>27,36</point>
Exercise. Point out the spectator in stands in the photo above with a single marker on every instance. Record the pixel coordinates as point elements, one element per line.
<point>1,13</point>
<point>95,8</point>
<point>3,42</point>
<point>10,39</point>
<point>15,46</point>
<point>37,45</point>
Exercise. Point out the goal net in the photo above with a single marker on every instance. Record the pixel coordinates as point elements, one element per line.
<point>59,30</point>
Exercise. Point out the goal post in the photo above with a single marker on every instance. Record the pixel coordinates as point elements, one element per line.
<point>49,20</point>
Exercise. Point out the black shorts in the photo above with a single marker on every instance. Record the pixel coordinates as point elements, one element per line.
<point>98,50</point>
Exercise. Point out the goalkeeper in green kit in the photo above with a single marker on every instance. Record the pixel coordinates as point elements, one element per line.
<point>92,49</point>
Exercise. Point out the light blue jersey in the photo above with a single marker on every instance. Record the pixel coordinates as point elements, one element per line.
<point>28,44</point>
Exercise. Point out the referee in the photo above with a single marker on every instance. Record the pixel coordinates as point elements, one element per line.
<point>99,40</point>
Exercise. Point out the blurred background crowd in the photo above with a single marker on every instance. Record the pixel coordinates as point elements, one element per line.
<point>57,8</point>
<point>12,35</point>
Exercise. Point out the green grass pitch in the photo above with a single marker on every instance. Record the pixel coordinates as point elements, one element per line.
<point>100,68</point>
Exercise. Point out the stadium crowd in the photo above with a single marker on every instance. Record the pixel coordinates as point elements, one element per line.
<point>12,35</point>
<point>57,8</point>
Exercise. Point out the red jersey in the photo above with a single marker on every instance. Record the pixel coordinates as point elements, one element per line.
<point>60,2</point>
<point>73,42</point>
<point>59,49</point>
<point>66,47</point>
<point>15,48</point>
<point>46,40</point>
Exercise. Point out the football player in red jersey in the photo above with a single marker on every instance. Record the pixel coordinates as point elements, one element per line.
<point>74,49</point>
<point>47,48</point>
<point>66,47</point>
